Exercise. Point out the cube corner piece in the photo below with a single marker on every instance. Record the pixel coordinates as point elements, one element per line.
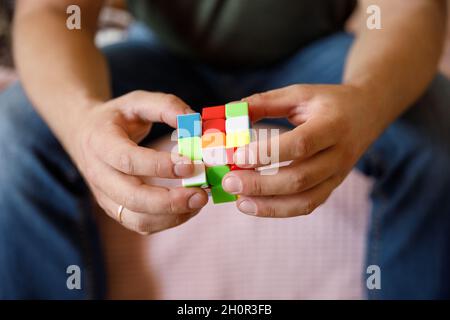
<point>236,109</point>
<point>189,125</point>
<point>198,179</point>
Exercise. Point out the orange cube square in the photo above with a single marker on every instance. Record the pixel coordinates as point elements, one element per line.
<point>213,139</point>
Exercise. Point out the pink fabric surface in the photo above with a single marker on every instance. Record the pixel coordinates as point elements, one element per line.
<point>223,254</point>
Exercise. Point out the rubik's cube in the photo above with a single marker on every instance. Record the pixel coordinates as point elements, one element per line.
<point>210,140</point>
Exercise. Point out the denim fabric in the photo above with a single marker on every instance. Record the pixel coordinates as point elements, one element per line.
<point>46,221</point>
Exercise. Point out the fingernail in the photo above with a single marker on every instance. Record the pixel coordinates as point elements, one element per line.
<point>182,167</point>
<point>247,207</point>
<point>182,170</point>
<point>196,201</point>
<point>232,184</point>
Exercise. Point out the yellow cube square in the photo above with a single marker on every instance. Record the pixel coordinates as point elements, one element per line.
<point>238,139</point>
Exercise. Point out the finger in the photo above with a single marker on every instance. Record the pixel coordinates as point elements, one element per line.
<point>152,106</point>
<point>295,178</point>
<point>279,102</point>
<point>304,141</point>
<point>307,139</point>
<point>288,205</point>
<point>148,224</point>
<point>137,196</point>
<point>140,222</point>
<point>114,147</point>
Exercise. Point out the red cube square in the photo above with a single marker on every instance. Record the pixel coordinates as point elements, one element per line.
<point>235,167</point>
<point>230,155</point>
<point>215,125</point>
<point>210,113</point>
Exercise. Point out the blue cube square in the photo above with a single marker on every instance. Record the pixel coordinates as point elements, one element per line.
<point>189,125</point>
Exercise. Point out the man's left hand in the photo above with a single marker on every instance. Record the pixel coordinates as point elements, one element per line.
<point>335,124</point>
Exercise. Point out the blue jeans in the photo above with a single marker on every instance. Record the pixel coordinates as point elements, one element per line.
<point>46,221</point>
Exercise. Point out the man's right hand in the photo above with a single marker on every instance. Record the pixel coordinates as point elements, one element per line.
<point>105,149</point>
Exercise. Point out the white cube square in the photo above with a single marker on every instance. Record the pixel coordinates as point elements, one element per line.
<point>198,179</point>
<point>215,156</point>
<point>237,124</point>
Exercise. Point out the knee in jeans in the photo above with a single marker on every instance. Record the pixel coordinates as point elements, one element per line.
<point>21,130</point>
<point>425,129</point>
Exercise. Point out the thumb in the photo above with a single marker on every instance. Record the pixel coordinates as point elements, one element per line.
<point>277,103</point>
<point>152,106</point>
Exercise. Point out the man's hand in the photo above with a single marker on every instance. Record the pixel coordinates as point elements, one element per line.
<point>114,166</point>
<point>335,125</point>
<point>385,72</point>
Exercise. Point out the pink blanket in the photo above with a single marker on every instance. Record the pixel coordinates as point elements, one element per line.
<point>223,254</point>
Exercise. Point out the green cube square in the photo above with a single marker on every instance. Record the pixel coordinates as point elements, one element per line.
<point>190,147</point>
<point>215,174</point>
<point>220,196</point>
<point>236,109</point>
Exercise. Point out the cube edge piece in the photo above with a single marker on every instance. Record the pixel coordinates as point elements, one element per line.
<point>206,125</point>
<point>221,196</point>
<point>196,154</point>
<point>218,114</point>
<point>238,139</point>
<point>214,170</point>
<point>239,123</point>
